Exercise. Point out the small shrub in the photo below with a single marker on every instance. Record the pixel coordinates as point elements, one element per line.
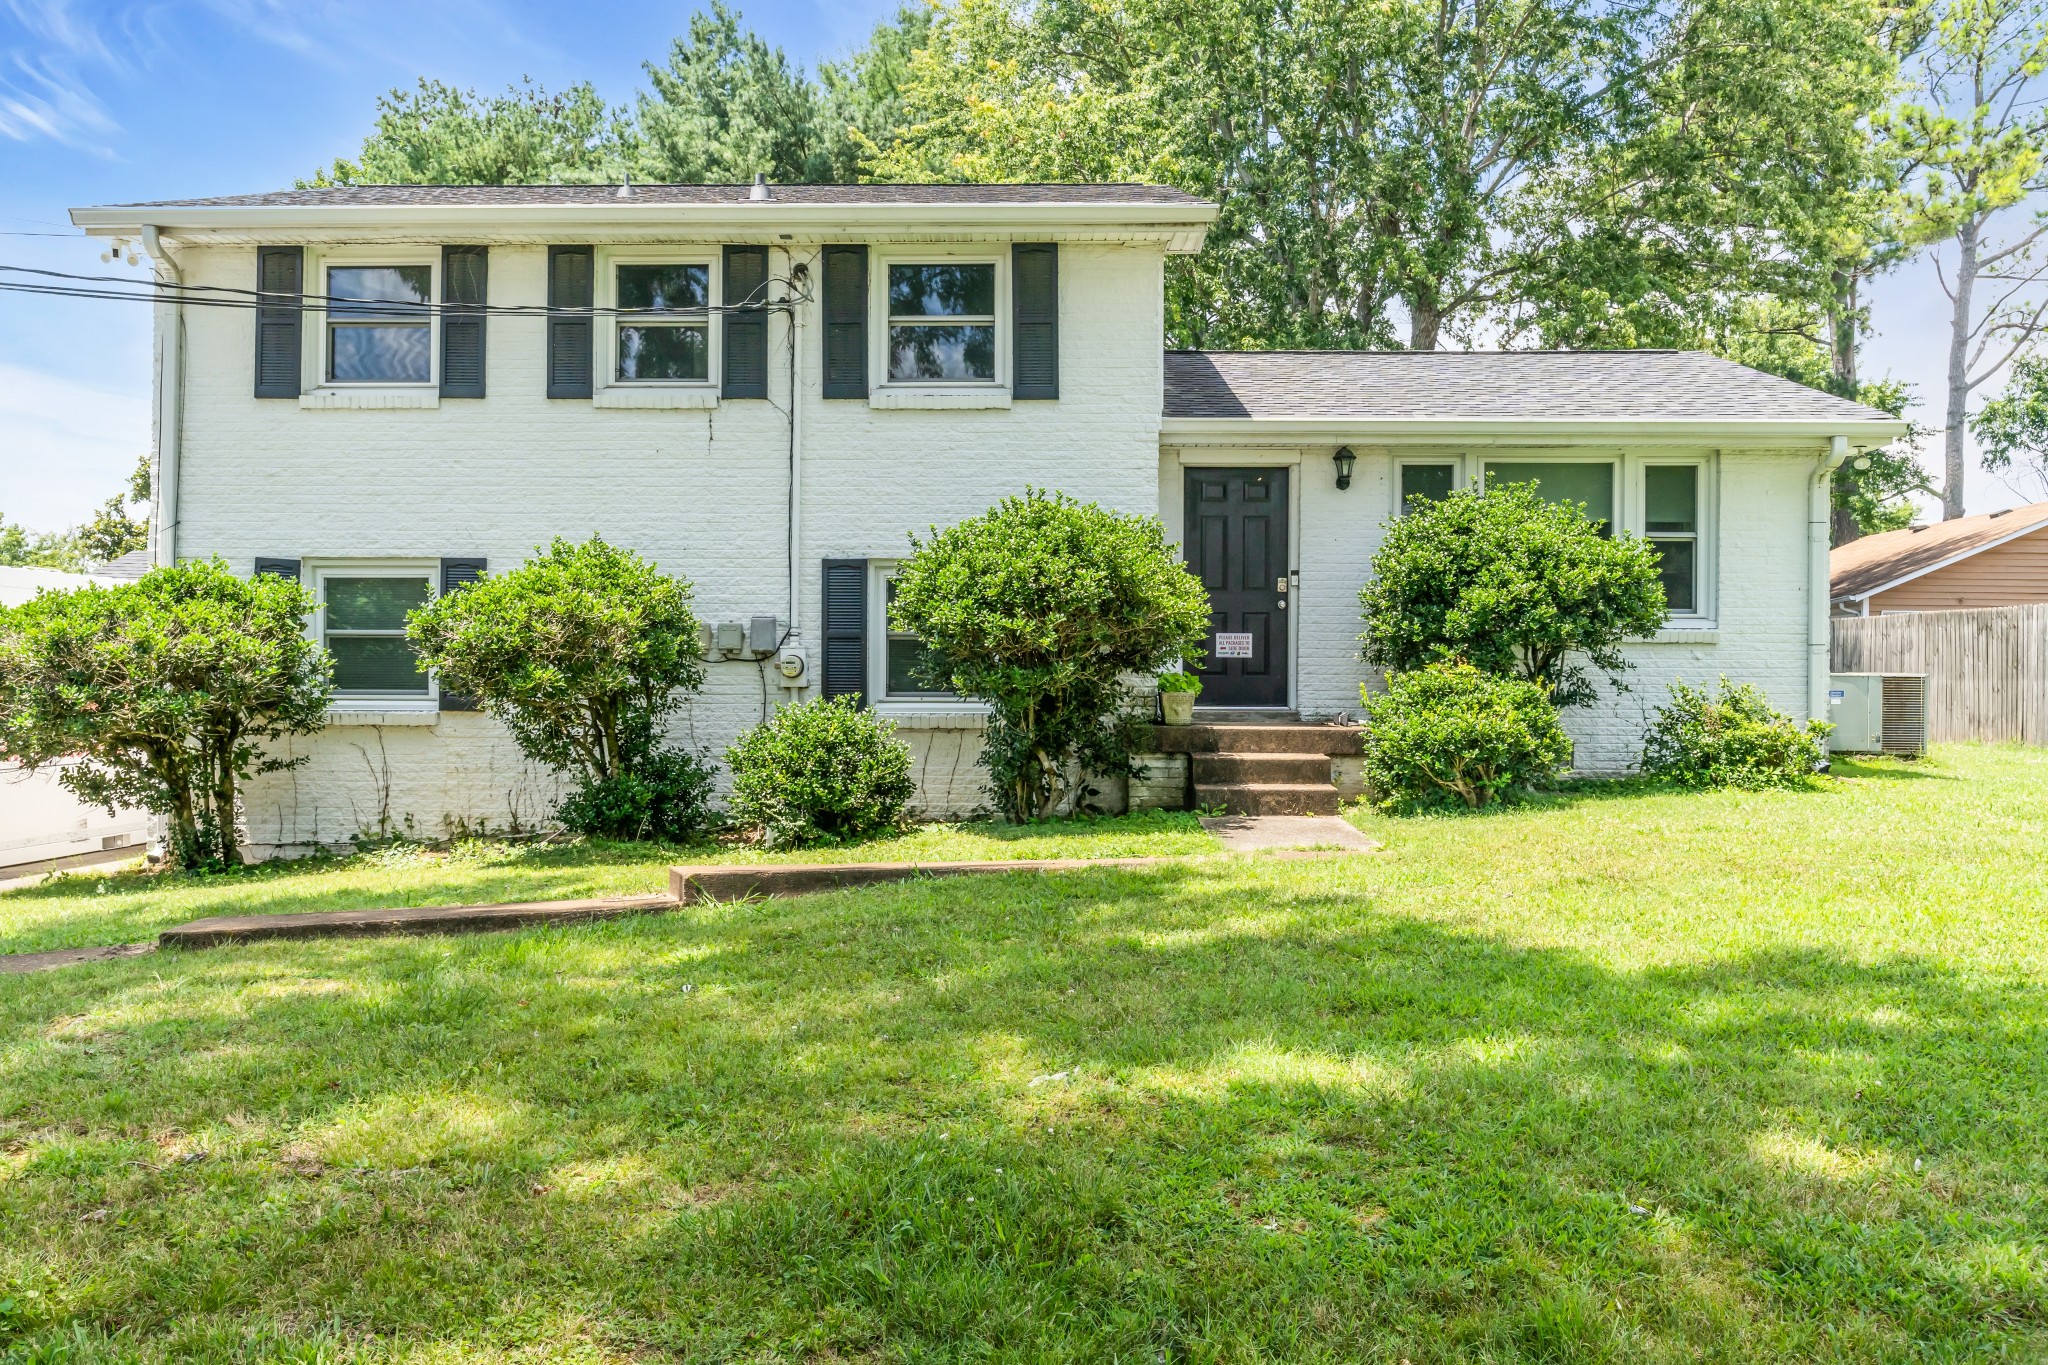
<point>665,795</point>
<point>1450,730</point>
<point>1733,738</point>
<point>820,772</point>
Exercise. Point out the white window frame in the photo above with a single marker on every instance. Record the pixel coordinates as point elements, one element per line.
<point>878,309</point>
<point>316,344</point>
<point>319,571</point>
<point>609,259</point>
<point>880,571</point>
<point>1459,475</point>
<point>1704,580</point>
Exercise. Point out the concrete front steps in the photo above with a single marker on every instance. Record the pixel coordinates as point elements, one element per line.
<point>1263,767</point>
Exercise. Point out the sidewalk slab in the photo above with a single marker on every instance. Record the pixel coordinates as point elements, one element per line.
<point>65,957</point>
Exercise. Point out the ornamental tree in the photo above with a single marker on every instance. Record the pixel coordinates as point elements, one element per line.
<point>1041,607</point>
<point>580,652</point>
<point>168,690</point>
<point>1513,584</point>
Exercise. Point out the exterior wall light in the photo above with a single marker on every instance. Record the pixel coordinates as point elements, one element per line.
<point>1344,459</point>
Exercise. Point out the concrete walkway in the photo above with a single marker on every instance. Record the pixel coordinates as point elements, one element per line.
<point>1248,833</point>
<point>65,957</point>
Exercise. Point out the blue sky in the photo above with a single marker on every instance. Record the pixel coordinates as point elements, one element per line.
<point>110,101</point>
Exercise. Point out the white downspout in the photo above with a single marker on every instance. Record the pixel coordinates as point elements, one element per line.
<point>170,397</point>
<point>796,455</point>
<point>1819,634</point>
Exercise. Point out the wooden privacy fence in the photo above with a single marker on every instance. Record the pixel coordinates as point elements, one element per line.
<point>1987,668</point>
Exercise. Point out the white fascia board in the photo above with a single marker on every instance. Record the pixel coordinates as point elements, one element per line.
<point>1180,227</point>
<point>1522,431</point>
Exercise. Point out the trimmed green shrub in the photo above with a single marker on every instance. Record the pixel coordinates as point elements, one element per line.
<point>1450,731</point>
<point>1512,583</point>
<point>582,652</point>
<point>1042,607</point>
<point>666,795</point>
<point>1731,738</point>
<point>169,691</point>
<point>820,772</point>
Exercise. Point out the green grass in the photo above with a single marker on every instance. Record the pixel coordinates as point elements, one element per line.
<point>1628,1075</point>
<point>83,909</point>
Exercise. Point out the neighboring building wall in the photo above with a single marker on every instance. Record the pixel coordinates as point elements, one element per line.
<point>702,493</point>
<point>2008,575</point>
<point>1757,543</point>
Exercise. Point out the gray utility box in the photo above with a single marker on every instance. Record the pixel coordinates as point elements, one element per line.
<point>1878,713</point>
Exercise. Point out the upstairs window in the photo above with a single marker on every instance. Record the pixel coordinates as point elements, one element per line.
<point>380,324</point>
<point>942,322</point>
<point>1671,519</point>
<point>363,628</point>
<point>664,323</point>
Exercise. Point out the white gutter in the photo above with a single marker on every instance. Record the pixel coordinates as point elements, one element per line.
<point>1518,431</point>
<point>1181,226</point>
<point>1820,630</point>
<point>170,399</point>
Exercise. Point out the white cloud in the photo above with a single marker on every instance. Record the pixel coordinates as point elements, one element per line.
<point>65,447</point>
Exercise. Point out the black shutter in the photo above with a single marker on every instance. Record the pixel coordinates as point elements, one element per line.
<point>572,282</point>
<point>278,568</point>
<point>280,319</point>
<point>465,272</point>
<point>746,334</point>
<point>846,322</point>
<point>846,630</point>
<point>1035,309</point>
<point>457,574</point>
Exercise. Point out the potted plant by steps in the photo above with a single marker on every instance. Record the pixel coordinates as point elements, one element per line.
<point>1177,693</point>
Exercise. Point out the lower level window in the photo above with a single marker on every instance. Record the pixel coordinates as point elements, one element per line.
<point>1582,481</point>
<point>909,663</point>
<point>1671,518</point>
<point>365,632</point>
<point>1428,482</point>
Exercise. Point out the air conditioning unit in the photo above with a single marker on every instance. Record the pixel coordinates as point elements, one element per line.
<point>1878,713</point>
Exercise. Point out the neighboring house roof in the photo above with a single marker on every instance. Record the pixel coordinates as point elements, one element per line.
<point>1866,567</point>
<point>1556,387</point>
<point>132,565</point>
<point>378,196</point>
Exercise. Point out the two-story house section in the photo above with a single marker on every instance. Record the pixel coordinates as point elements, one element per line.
<point>387,390</point>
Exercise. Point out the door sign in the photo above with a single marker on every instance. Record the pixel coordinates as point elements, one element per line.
<point>1233,644</point>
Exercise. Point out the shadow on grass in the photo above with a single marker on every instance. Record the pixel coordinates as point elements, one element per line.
<point>1185,1114</point>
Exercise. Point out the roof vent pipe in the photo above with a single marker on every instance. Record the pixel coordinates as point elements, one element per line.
<point>625,184</point>
<point>760,190</point>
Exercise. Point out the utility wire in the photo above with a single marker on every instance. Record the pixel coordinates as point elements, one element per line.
<point>125,289</point>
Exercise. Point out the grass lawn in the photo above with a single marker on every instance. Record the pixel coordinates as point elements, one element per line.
<point>1630,1075</point>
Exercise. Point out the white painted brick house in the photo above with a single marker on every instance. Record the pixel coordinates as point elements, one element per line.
<point>364,424</point>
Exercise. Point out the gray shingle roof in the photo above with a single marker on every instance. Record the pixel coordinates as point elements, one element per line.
<point>434,196</point>
<point>1594,386</point>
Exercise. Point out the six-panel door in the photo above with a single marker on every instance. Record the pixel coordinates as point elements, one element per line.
<point>1236,543</point>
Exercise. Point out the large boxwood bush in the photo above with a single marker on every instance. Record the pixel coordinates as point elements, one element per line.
<point>1450,732</point>
<point>1043,607</point>
<point>1731,738</point>
<point>820,771</point>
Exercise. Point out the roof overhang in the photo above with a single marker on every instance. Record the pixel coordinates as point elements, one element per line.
<point>1180,228</point>
<point>1524,431</point>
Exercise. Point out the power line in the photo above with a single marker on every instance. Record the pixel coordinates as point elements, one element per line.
<point>125,289</point>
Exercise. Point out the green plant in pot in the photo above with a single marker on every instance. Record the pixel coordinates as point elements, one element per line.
<point>1177,693</point>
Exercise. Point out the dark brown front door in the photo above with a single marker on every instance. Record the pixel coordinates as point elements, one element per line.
<point>1237,546</point>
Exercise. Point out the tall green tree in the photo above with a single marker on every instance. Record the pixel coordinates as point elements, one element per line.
<point>1435,171</point>
<point>1973,143</point>
<point>437,134</point>
<point>2012,428</point>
